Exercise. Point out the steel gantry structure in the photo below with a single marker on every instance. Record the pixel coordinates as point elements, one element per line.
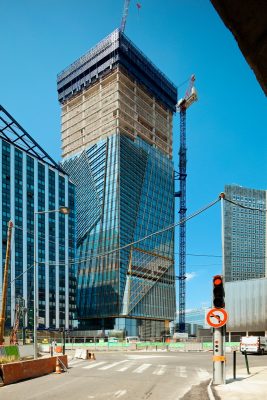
<point>183,104</point>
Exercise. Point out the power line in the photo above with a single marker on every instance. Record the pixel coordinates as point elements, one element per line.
<point>168,228</point>
<point>244,206</point>
<point>75,262</point>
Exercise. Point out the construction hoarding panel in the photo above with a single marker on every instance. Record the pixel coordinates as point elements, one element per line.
<point>246,304</point>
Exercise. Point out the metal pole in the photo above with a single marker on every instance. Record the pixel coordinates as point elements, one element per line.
<point>35,288</point>
<point>218,356</point>
<point>63,210</point>
<point>234,364</point>
<point>246,359</point>
<point>219,333</point>
<point>222,196</point>
<point>64,339</point>
<point>5,282</point>
<point>23,322</point>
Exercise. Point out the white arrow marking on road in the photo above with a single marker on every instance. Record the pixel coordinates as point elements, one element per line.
<point>120,393</point>
<point>161,369</point>
<point>142,368</point>
<point>203,374</point>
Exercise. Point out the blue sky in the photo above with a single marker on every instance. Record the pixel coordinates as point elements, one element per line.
<point>226,128</point>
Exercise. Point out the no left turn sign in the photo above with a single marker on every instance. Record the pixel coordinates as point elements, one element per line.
<point>217,317</point>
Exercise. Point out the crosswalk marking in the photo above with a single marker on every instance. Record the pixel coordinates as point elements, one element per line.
<point>77,363</point>
<point>181,371</point>
<point>74,362</point>
<point>131,364</point>
<point>95,365</point>
<point>112,365</point>
<point>161,369</point>
<point>142,368</point>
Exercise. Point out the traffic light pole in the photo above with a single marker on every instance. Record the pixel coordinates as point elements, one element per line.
<point>219,356</point>
<point>219,333</point>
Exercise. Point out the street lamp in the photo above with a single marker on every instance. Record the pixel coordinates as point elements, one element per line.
<point>63,210</point>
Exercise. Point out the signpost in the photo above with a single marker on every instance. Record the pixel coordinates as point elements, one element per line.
<point>217,317</point>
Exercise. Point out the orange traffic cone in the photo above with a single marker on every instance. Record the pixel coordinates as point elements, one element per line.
<point>58,368</point>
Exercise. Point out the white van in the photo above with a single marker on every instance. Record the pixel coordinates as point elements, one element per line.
<point>113,339</point>
<point>253,344</point>
<point>132,339</point>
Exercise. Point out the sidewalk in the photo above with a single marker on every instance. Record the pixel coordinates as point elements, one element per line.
<point>245,387</point>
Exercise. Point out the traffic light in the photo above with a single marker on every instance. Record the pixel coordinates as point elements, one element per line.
<point>218,292</point>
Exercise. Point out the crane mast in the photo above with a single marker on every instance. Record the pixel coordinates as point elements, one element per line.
<point>124,15</point>
<point>182,106</point>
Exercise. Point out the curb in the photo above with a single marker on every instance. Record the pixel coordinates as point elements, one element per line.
<point>210,394</point>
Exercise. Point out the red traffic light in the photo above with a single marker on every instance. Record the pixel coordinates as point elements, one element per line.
<point>217,280</point>
<point>218,292</point>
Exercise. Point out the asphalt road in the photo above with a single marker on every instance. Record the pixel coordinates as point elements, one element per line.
<point>126,376</point>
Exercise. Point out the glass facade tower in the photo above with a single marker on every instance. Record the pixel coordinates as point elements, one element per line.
<point>30,181</point>
<point>117,112</point>
<point>245,233</point>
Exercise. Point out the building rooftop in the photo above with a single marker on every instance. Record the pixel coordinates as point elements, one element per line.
<point>115,49</point>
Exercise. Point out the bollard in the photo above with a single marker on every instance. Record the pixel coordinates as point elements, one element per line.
<point>246,359</point>
<point>234,364</point>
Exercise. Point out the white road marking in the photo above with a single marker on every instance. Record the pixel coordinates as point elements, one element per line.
<point>142,368</point>
<point>140,357</point>
<point>119,393</point>
<point>74,362</point>
<point>202,374</point>
<point>94,365</point>
<point>131,364</point>
<point>161,369</point>
<point>181,372</point>
<point>112,365</point>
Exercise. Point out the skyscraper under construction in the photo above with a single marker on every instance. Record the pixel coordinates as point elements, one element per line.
<point>117,111</point>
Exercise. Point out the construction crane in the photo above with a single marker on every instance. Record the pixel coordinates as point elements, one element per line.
<point>5,284</point>
<point>183,104</point>
<point>124,15</point>
<point>14,332</point>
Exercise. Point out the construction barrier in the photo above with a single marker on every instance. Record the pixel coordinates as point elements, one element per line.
<point>84,354</point>
<point>18,371</point>
<point>146,346</point>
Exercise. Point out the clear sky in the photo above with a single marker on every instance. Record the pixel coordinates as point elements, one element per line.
<point>226,128</point>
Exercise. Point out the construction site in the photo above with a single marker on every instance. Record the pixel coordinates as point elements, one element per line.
<point>105,98</point>
<point>115,101</point>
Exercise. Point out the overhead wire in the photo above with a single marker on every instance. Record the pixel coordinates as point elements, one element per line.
<point>196,213</point>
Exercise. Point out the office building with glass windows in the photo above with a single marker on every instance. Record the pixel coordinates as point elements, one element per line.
<point>117,111</point>
<point>245,239</point>
<point>31,182</point>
